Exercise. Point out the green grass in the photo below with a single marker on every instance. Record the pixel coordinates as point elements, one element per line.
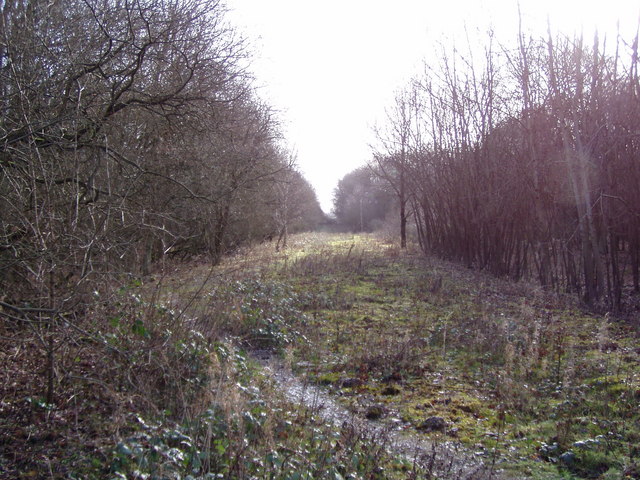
<point>157,384</point>
<point>151,382</point>
<point>508,366</point>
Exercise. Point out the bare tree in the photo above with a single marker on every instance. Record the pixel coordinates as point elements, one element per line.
<point>523,164</point>
<point>391,158</point>
<point>89,90</point>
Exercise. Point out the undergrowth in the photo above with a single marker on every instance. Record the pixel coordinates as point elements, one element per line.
<point>152,378</point>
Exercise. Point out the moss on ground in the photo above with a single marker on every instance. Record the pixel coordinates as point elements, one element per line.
<point>509,367</point>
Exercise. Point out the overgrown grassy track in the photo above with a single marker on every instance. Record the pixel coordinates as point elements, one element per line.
<point>149,380</point>
<point>152,381</point>
<point>514,373</point>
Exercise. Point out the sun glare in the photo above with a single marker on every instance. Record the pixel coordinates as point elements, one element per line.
<point>332,67</point>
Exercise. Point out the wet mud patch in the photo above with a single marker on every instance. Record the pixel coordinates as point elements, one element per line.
<point>443,459</point>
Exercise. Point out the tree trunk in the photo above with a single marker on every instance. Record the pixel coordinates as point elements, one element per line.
<point>218,234</point>
<point>403,208</point>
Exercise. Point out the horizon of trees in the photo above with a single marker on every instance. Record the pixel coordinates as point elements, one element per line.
<point>525,161</point>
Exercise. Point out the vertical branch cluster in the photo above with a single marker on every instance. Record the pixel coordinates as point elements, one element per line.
<point>525,163</point>
<point>391,162</point>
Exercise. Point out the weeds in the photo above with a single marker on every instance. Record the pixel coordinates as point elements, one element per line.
<point>151,380</point>
<point>509,367</point>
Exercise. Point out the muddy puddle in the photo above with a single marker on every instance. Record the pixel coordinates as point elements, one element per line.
<point>446,460</point>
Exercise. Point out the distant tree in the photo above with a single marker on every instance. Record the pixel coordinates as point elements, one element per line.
<point>295,207</point>
<point>360,200</point>
<point>391,159</point>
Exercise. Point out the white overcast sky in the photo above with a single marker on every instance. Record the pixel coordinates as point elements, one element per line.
<point>332,66</point>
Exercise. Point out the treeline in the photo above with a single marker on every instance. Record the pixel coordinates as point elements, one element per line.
<point>525,162</point>
<point>130,131</point>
